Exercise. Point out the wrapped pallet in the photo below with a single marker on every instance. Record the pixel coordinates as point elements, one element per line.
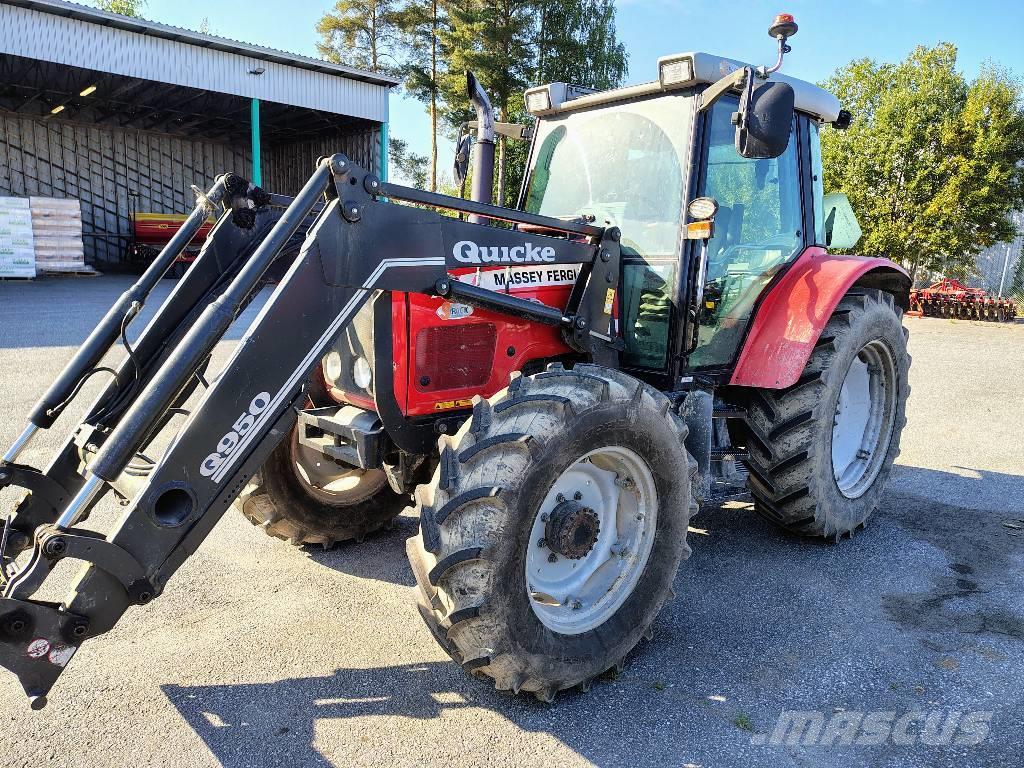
<point>17,256</point>
<point>57,235</point>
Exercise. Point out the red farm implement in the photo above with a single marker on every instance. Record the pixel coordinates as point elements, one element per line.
<point>152,231</point>
<point>951,298</point>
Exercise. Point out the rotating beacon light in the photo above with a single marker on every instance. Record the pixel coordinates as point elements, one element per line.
<point>783,28</point>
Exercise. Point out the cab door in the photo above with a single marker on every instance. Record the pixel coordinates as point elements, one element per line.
<point>760,228</point>
<point>626,165</point>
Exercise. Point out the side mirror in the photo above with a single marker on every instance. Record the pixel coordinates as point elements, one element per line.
<point>764,120</point>
<point>842,231</point>
<point>460,166</point>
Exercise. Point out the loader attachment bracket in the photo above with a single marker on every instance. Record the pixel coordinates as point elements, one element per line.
<point>54,545</point>
<point>37,640</point>
<point>43,487</point>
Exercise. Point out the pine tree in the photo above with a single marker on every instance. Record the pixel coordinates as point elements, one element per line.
<point>510,45</point>
<point>362,34</point>
<point>507,44</point>
<point>495,40</point>
<point>421,22</point>
<point>412,166</point>
<point>123,7</point>
<point>577,43</point>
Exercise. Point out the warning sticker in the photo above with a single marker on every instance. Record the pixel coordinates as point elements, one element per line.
<point>61,655</point>
<point>38,648</point>
<point>446,404</point>
<point>451,311</point>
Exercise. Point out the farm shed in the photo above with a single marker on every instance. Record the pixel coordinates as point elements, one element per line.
<point>126,115</point>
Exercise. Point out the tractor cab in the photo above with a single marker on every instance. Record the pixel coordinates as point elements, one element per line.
<point>635,158</point>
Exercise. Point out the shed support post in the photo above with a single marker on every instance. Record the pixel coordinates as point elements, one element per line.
<point>257,175</point>
<point>383,152</point>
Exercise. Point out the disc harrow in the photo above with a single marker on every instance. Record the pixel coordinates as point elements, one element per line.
<point>951,298</point>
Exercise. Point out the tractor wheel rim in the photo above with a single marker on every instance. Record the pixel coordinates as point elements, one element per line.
<point>864,419</point>
<point>330,482</point>
<point>576,593</point>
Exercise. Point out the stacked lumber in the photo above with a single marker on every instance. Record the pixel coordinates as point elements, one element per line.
<point>17,257</point>
<point>57,235</point>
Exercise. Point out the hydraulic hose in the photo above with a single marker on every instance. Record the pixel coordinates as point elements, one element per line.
<point>108,329</point>
<point>208,329</point>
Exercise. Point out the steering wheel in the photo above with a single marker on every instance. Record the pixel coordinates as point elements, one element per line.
<point>775,242</point>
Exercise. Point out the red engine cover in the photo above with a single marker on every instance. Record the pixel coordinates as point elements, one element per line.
<point>447,343</point>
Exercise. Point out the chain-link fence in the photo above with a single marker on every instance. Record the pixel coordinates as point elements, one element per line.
<point>1000,269</point>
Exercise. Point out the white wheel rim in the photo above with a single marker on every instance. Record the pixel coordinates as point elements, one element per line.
<point>572,596</point>
<point>864,418</point>
<point>331,482</point>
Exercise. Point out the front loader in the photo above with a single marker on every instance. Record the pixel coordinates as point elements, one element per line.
<point>554,387</point>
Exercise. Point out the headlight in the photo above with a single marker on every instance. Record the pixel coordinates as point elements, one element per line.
<point>702,208</point>
<point>332,367</point>
<point>361,373</point>
<point>538,100</point>
<point>674,73</point>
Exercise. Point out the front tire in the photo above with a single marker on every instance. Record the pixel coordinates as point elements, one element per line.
<point>305,498</point>
<point>820,451</point>
<point>496,513</point>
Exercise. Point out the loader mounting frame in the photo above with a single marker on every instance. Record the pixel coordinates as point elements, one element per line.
<point>361,243</point>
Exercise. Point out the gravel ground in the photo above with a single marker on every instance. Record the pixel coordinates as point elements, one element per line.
<point>262,654</point>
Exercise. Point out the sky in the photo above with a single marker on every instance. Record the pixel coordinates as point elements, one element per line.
<point>832,33</point>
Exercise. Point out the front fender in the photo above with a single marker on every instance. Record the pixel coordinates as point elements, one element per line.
<point>795,310</point>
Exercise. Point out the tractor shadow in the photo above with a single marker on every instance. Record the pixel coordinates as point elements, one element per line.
<point>922,609</point>
<point>379,557</point>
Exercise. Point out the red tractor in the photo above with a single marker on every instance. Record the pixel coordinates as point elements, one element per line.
<point>554,387</point>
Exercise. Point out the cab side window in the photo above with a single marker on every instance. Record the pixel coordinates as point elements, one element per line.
<point>818,180</point>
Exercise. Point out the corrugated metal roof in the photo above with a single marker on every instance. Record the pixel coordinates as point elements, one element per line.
<point>73,34</point>
<point>201,39</point>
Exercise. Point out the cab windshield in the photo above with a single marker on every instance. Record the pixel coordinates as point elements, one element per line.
<point>624,166</point>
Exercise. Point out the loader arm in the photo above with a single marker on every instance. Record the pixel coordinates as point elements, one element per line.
<point>362,242</point>
<point>225,250</point>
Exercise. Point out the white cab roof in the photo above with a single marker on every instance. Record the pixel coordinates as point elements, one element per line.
<point>707,68</point>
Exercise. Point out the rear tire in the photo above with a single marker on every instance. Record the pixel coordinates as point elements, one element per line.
<point>794,478</point>
<point>282,500</point>
<point>477,552</point>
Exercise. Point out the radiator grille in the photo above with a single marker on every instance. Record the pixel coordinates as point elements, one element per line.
<point>454,356</point>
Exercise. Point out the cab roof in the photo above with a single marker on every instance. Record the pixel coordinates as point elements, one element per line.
<point>705,68</point>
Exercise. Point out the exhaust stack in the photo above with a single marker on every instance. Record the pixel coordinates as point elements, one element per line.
<point>483,161</point>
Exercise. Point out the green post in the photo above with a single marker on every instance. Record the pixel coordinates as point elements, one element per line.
<point>257,174</point>
<point>383,152</point>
